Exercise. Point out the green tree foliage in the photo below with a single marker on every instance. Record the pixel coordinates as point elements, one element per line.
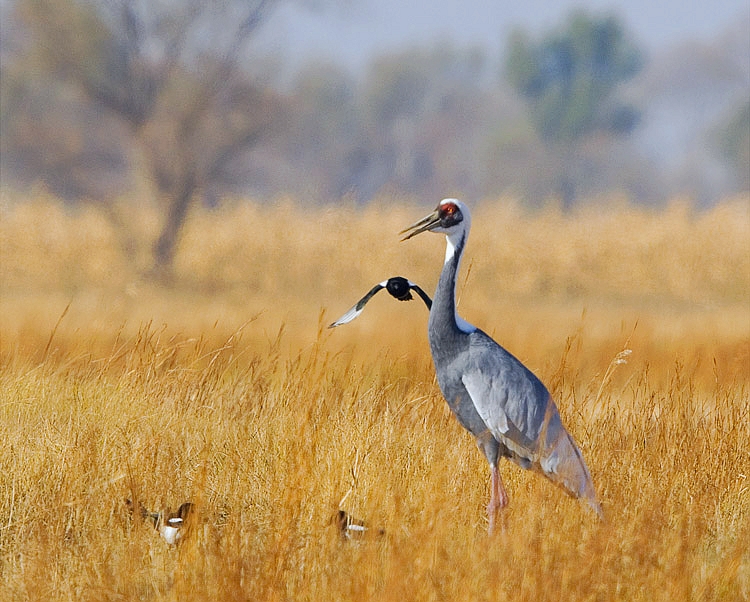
<point>733,142</point>
<point>569,77</point>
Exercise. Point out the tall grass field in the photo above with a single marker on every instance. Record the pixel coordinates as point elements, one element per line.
<point>225,387</point>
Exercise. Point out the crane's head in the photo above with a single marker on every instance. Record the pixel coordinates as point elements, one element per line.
<point>451,217</point>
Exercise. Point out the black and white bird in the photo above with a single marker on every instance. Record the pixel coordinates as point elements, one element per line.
<point>398,287</point>
<point>172,526</point>
<point>492,394</point>
<point>352,528</point>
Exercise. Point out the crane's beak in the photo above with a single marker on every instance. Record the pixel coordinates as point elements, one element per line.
<point>427,223</point>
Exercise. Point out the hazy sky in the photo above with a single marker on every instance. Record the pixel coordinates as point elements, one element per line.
<point>362,28</point>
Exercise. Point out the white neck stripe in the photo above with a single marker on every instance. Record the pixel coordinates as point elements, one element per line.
<point>450,252</point>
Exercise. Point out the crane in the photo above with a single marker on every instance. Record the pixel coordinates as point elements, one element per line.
<point>492,394</point>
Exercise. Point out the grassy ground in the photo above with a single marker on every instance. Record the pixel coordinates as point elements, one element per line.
<point>226,388</point>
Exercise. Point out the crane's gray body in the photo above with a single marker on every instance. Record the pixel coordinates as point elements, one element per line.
<point>496,398</point>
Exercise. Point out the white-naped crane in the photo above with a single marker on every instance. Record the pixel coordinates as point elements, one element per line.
<point>398,287</point>
<point>492,394</point>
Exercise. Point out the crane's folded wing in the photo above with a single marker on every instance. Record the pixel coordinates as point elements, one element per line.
<point>513,403</point>
<point>520,413</point>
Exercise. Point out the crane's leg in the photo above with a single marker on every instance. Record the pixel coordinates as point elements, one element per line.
<point>498,497</point>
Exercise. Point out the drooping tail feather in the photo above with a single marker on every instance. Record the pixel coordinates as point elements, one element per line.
<point>564,465</point>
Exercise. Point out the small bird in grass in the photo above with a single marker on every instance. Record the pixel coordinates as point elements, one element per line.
<point>399,288</point>
<point>492,394</point>
<point>352,528</point>
<point>172,526</point>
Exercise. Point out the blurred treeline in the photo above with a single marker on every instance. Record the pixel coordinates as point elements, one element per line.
<point>108,101</point>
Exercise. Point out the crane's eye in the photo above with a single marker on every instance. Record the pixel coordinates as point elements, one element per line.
<point>450,214</point>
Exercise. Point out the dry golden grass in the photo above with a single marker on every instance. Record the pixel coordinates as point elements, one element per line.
<point>227,389</point>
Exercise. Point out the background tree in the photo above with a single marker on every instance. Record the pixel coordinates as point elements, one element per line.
<point>170,75</point>
<point>411,124</point>
<point>425,106</point>
<point>569,79</point>
<point>733,142</point>
<point>172,102</point>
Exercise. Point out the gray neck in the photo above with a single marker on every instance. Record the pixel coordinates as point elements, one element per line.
<point>443,329</point>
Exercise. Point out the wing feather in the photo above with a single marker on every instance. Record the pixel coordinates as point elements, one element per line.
<point>359,306</point>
